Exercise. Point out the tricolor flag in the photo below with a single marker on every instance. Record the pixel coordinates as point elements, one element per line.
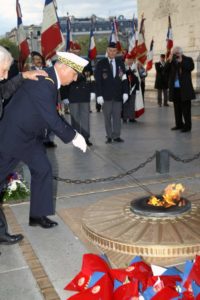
<point>21,36</point>
<point>92,52</point>
<point>132,49</point>
<point>114,35</point>
<point>141,46</point>
<point>51,36</point>
<point>150,57</point>
<point>69,41</point>
<point>169,37</point>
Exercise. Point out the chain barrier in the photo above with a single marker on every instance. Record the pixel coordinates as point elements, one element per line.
<point>186,160</point>
<point>111,178</point>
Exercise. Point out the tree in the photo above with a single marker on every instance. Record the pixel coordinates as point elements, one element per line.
<point>13,48</point>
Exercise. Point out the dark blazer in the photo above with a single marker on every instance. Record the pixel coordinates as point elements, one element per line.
<point>183,70</point>
<point>79,91</point>
<point>31,110</point>
<point>8,88</point>
<point>161,76</point>
<point>107,86</point>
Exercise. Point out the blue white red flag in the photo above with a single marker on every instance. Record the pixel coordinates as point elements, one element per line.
<point>169,38</point>
<point>150,57</point>
<point>51,36</point>
<point>133,40</point>
<point>92,53</point>
<point>69,40</point>
<point>114,35</point>
<point>22,40</point>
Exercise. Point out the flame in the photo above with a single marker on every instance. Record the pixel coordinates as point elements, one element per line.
<point>171,196</point>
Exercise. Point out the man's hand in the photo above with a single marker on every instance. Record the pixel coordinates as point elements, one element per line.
<point>125,98</point>
<point>79,142</point>
<point>100,100</point>
<point>33,74</point>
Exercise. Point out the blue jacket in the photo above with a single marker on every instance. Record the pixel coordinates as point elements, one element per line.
<point>31,110</point>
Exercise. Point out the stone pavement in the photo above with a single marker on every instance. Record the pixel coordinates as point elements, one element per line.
<point>46,260</point>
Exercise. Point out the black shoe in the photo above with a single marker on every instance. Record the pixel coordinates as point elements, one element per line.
<point>88,142</point>
<point>108,141</point>
<point>50,144</point>
<point>166,104</point>
<point>124,121</point>
<point>8,239</point>
<point>43,222</point>
<point>176,128</point>
<point>132,121</point>
<point>185,130</point>
<point>118,140</point>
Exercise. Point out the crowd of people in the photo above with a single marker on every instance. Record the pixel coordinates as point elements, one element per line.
<point>29,121</point>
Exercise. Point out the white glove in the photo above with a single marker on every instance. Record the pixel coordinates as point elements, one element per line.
<point>79,142</point>
<point>125,98</point>
<point>100,100</point>
<point>92,96</point>
<point>66,101</point>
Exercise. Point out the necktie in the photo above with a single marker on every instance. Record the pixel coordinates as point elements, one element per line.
<point>111,66</point>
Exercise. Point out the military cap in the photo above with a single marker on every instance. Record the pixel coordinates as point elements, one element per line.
<point>72,60</point>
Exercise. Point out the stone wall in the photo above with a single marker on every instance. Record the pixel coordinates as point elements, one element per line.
<point>185,17</point>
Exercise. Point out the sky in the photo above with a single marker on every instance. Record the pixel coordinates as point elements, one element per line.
<point>32,10</point>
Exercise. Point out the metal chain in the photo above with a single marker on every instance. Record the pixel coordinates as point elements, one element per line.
<point>187,160</point>
<point>111,178</point>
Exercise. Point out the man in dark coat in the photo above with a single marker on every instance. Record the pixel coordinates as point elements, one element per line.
<point>112,91</point>
<point>181,90</point>
<point>7,89</point>
<point>32,109</point>
<point>161,83</point>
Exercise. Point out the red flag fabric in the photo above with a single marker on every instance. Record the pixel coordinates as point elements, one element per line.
<point>169,37</point>
<point>21,36</point>
<point>51,36</point>
<point>114,35</point>
<point>92,53</point>
<point>133,41</point>
<point>150,57</point>
<point>141,46</point>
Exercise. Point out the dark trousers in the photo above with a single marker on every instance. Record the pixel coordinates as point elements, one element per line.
<point>182,111</point>
<point>41,200</point>
<point>80,118</point>
<point>164,92</point>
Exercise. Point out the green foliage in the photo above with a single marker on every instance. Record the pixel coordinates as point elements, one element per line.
<point>12,46</point>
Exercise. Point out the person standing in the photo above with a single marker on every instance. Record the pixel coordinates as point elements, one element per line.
<point>32,109</point>
<point>128,111</point>
<point>7,89</point>
<point>112,91</point>
<point>181,90</point>
<point>161,82</point>
<point>143,74</point>
<point>79,94</point>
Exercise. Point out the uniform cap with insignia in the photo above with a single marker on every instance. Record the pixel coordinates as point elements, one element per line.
<point>72,60</point>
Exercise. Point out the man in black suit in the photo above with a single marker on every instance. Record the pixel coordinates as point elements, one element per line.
<point>111,91</point>
<point>7,89</point>
<point>32,109</point>
<point>161,83</point>
<point>181,90</point>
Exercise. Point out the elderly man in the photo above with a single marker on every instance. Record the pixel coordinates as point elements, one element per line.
<point>181,90</point>
<point>32,109</point>
<point>112,91</point>
<point>7,89</point>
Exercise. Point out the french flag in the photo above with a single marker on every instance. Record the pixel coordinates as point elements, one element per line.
<point>69,41</point>
<point>150,57</point>
<point>169,37</point>
<point>21,36</point>
<point>51,36</point>
<point>133,40</point>
<point>114,35</point>
<point>141,46</point>
<point>92,53</point>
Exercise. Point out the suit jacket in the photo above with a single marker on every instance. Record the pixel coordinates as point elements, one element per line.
<point>106,85</point>
<point>161,76</point>
<point>31,110</point>
<point>8,88</point>
<point>183,70</point>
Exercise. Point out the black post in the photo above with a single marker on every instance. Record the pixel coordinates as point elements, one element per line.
<point>162,161</point>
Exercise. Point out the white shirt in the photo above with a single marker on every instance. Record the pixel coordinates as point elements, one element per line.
<point>114,65</point>
<point>58,80</point>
